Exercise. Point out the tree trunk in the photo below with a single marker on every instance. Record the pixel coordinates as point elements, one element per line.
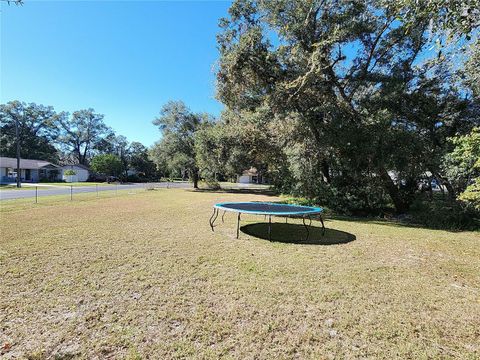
<point>450,189</point>
<point>84,157</point>
<point>326,171</point>
<point>401,206</point>
<point>195,178</point>
<point>325,168</point>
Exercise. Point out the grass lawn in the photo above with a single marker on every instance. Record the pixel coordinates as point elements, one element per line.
<point>142,276</point>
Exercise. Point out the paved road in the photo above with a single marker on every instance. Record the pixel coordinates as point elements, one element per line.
<point>65,190</point>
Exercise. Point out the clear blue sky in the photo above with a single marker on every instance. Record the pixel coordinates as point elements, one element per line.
<point>125,59</point>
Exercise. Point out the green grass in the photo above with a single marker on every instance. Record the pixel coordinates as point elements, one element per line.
<point>142,276</point>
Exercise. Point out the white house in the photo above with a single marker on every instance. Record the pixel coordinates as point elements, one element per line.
<point>251,176</point>
<point>30,170</point>
<point>82,173</point>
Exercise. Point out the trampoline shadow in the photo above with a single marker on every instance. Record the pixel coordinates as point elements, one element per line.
<point>296,233</point>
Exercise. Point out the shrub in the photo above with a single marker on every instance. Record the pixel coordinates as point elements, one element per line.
<point>212,184</point>
<point>134,178</point>
<point>442,213</point>
<point>471,195</point>
<point>69,172</point>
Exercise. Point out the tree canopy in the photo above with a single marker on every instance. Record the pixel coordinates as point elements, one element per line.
<point>37,130</point>
<point>176,149</point>
<point>82,133</point>
<point>359,96</point>
<point>106,164</point>
<point>139,160</point>
<point>48,135</point>
<point>462,165</point>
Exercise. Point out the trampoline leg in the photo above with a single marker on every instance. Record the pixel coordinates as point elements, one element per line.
<point>270,227</point>
<point>238,225</point>
<point>223,216</point>
<point>286,220</point>
<point>323,226</point>
<point>213,218</point>
<point>306,228</point>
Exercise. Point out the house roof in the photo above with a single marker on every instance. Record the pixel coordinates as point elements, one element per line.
<point>25,163</point>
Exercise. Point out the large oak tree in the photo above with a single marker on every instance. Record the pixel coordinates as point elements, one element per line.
<point>368,98</point>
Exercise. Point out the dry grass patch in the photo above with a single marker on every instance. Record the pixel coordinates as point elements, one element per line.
<point>143,276</point>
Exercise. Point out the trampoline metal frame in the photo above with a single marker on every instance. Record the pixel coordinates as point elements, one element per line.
<point>304,215</point>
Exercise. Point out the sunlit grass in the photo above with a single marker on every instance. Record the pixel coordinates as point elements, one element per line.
<point>141,275</point>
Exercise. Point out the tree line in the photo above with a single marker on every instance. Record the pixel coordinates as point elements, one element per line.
<point>81,137</point>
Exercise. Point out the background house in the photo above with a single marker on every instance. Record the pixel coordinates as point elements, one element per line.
<point>82,173</point>
<point>251,176</point>
<point>30,170</point>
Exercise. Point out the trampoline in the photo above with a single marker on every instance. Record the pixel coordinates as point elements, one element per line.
<point>267,209</point>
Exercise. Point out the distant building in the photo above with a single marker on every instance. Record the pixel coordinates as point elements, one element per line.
<point>30,170</point>
<point>82,173</point>
<point>40,170</point>
<point>251,176</point>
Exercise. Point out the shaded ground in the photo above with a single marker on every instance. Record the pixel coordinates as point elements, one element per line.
<point>297,234</point>
<point>142,276</point>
